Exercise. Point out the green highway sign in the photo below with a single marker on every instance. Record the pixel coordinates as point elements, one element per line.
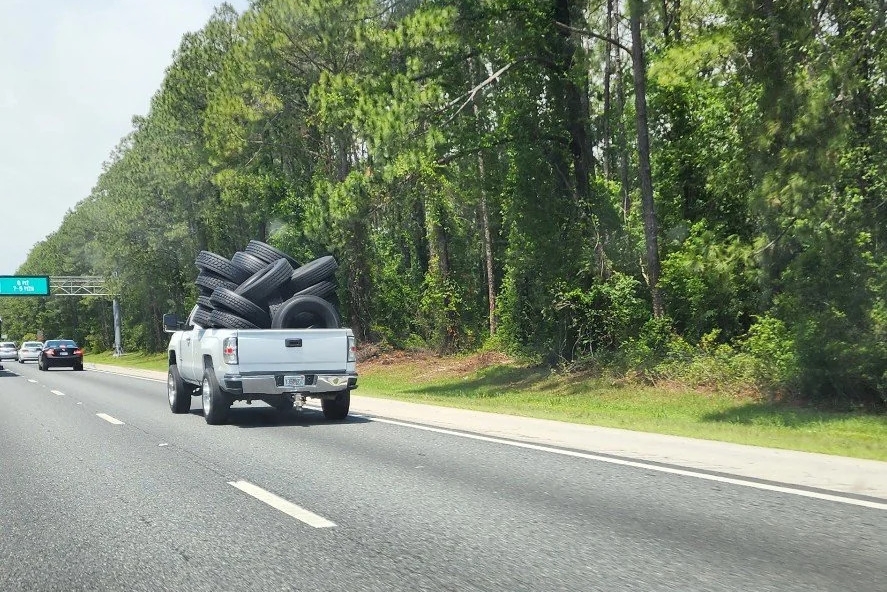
<point>24,285</point>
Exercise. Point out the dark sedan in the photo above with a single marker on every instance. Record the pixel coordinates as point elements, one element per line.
<point>60,352</point>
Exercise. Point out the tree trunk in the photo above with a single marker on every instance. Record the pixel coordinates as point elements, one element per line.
<point>484,214</point>
<point>608,72</point>
<point>651,231</point>
<point>575,97</point>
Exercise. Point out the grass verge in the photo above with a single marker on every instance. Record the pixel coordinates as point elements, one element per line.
<point>141,361</point>
<point>495,384</point>
<point>535,392</point>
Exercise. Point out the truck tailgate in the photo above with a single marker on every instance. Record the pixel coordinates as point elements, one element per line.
<point>288,350</point>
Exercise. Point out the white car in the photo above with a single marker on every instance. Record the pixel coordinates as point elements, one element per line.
<point>29,351</point>
<point>8,350</point>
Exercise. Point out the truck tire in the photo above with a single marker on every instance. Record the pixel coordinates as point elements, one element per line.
<point>227,320</point>
<point>208,261</point>
<point>230,301</point>
<point>177,391</point>
<point>208,281</point>
<point>202,317</point>
<point>269,254</point>
<point>286,315</point>
<point>215,403</point>
<point>247,262</point>
<point>204,302</point>
<point>337,408</point>
<point>312,273</point>
<point>323,289</point>
<point>259,286</point>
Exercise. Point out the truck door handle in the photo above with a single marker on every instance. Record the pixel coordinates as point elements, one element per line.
<point>187,340</point>
<point>293,342</point>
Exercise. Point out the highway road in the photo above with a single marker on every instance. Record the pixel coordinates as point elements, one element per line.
<point>103,488</point>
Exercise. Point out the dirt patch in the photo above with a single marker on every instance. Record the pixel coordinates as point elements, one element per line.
<point>426,365</point>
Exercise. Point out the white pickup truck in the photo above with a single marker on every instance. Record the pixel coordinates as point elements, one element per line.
<point>281,367</point>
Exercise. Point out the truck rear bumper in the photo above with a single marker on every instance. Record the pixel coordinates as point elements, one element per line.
<point>273,384</point>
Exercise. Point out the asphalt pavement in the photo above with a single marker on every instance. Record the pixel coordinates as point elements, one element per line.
<point>104,488</point>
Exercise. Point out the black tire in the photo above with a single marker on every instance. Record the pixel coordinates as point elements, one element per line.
<point>323,289</point>
<point>269,254</point>
<point>215,403</point>
<point>261,285</point>
<point>312,273</point>
<point>286,315</point>
<point>205,303</point>
<point>41,364</point>
<point>78,367</point>
<point>337,408</point>
<point>178,393</point>
<point>202,317</point>
<point>208,261</point>
<point>230,301</point>
<point>207,282</point>
<point>248,262</point>
<point>227,320</point>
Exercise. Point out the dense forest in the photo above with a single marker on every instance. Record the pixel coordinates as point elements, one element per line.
<point>694,189</point>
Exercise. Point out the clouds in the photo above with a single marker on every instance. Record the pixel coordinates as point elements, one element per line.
<point>72,76</point>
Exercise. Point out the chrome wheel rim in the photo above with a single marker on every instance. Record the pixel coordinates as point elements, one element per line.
<point>171,389</point>
<point>206,396</point>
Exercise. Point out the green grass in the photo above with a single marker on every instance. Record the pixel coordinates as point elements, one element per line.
<point>540,393</point>
<point>535,392</point>
<point>133,360</point>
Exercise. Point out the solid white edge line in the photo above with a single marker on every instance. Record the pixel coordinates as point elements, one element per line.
<point>642,465</point>
<point>59,393</point>
<point>109,419</point>
<point>278,503</point>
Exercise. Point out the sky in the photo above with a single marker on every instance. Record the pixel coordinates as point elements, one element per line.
<point>73,73</point>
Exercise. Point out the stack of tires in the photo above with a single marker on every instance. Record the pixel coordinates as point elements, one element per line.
<point>262,287</point>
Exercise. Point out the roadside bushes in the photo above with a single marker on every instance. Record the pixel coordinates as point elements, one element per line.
<point>263,287</point>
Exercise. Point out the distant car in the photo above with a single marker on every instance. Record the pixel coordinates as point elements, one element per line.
<point>29,351</point>
<point>8,350</point>
<point>60,352</point>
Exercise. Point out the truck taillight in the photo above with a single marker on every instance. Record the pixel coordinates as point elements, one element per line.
<point>229,350</point>
<point>352,349</point>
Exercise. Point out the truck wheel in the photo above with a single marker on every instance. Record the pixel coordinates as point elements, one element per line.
<point>215,403</point>
<point>177,391</point>
<point>337,408</point>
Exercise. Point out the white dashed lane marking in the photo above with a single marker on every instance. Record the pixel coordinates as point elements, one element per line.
<point>59,393</point>
<point>110,419</point>
<point>285,506</point>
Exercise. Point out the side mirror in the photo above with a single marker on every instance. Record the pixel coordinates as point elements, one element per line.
<point>171,323</point>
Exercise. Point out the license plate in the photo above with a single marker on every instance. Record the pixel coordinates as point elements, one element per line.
<point>64,353</point>
<point>294,380</point>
